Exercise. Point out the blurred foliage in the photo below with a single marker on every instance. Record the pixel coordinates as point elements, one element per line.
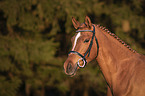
<point>35,39</point>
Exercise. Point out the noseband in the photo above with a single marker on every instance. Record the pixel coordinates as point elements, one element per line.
<point>88,50</point>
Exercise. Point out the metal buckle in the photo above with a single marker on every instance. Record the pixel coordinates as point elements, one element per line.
<point>81,65</point>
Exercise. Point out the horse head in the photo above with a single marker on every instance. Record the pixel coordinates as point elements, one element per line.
<point>84,46</point>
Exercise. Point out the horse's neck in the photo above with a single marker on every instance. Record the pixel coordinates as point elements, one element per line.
<point>111,54</point>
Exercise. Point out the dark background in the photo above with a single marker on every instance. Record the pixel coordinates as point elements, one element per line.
<point>35,40</point>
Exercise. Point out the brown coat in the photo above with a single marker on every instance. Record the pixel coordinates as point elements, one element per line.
<point>122,67</point>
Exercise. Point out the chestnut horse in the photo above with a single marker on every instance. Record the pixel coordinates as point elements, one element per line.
<point>122,67</point>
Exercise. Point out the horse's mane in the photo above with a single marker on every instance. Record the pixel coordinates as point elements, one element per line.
<point>104,29</point>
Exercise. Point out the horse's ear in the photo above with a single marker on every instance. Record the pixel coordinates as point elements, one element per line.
<point>88,22</point>
<point>75,23</point>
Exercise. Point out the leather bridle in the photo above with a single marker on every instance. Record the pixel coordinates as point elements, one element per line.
<point>88,50</point>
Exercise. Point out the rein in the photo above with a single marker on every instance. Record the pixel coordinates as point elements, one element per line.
<point>88,50</point>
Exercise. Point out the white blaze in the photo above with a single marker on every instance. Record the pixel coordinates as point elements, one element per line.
<point>75,41</point>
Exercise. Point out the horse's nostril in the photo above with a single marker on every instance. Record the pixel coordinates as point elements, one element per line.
<point>69,67</point>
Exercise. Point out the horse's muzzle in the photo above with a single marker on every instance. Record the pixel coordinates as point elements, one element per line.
<point>70,68</point>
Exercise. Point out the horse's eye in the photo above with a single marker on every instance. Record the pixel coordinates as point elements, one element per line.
<point>87,40</point>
